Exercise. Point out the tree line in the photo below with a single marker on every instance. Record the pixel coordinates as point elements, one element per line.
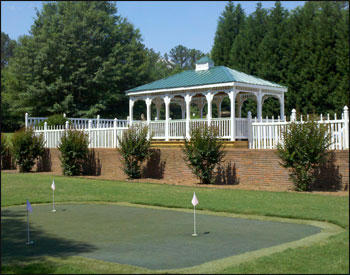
<point>306,49</point>
<point>81,57</point>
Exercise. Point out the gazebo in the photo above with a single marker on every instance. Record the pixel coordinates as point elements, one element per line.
<point>206,84</point>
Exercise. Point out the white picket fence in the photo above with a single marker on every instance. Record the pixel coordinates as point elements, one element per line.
<point>80,123</point>
<point>100,137</point>
<point>263,134</point>
<point>267,135</point>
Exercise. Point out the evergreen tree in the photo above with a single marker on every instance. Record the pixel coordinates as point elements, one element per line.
<point>229,25</point>
<point>317,58</point>
<point>7,47</point>
<point>244,55</point>
<point>273,45</point>
<point>80,58</point>
<point>181,57</point>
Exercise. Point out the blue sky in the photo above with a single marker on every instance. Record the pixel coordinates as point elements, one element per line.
<point>163,24</point>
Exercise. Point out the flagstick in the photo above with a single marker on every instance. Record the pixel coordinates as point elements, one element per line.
<point>194,221</point>
<point>53,200</point>
<point>29,242</point>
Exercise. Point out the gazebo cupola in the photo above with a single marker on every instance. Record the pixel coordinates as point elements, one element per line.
<point>205,63</point>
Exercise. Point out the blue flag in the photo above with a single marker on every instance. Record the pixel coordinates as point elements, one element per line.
<point>29,207</point>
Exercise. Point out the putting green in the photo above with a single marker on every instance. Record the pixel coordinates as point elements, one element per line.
<point>140,236</point>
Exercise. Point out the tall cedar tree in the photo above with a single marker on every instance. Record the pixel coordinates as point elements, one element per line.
<point>7,48</point>
<point>79,59</point>
<point>243,55</point>
<point>229,25</point>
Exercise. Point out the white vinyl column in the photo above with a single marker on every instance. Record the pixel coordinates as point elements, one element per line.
<point>131,110</point>
<point>148,105</point>
<point>167,100</point>
<point>209,96</point>
<point>282,105</point>
<point>259,107</point>
<point>188,114</point>
<point>232,96</point>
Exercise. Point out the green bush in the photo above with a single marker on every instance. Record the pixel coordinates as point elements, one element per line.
<point>4,148</point>
<point>54,120</point>
<point>4,144</point>
<point>26,148</point>
<point>303,150</point>
<point>74,148</point>
<point>134,149</point>
<point>203,152</point>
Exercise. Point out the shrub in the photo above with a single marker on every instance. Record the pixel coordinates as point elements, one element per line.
<point>134,149</point>
<point>303,150</point>
<point>4,148</point>
<point>4,144</point>
<point>74,148</point>
<point>26,148</point>
<point>203,152</point>
<point>53,120</point>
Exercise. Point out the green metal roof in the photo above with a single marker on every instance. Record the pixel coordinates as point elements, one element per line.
<point>214,75</point>
<point>204,59</point>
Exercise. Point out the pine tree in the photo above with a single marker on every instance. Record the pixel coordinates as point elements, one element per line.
<point>243,55</point>
<point>229,25</point>
<point>273,45</point>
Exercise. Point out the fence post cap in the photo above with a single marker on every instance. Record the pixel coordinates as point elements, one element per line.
<point>98,116</point>
<point>115,118</point>
<point>294,111</point>
<point>346,108</point>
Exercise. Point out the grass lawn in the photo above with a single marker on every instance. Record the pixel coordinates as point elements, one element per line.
<point>328,256</point>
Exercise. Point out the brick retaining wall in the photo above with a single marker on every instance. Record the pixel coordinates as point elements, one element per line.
<point>259,169</point>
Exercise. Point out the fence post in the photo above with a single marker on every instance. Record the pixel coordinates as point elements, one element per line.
<point>26,120</point>
<point>89,132</point>
<point>98,121</point>
<point>115,138</point>
<point>346,121</point>
<point>250,129</point>
<point>293,117</point>
<point>45,135</point>
<point>67,125</point>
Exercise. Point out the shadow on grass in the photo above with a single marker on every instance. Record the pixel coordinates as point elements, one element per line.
<point>23,267</point>
<point>14,237</point>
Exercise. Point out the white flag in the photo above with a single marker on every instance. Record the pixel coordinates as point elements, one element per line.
<point>53,185</point>
<point>194,200</point>
<point>29,207</point>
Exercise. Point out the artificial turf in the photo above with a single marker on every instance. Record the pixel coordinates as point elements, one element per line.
<point>145,237</point>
